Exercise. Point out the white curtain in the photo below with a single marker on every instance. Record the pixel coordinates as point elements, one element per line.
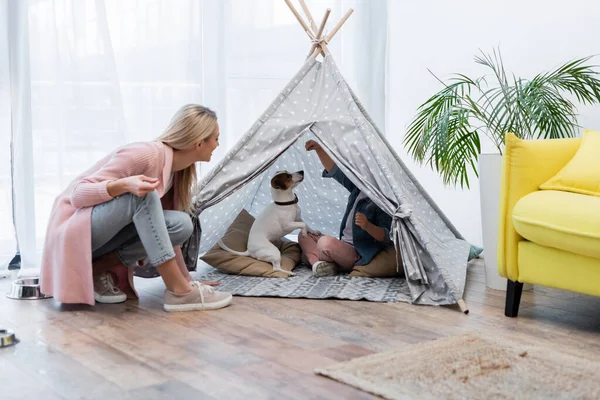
<point>7,234</point>
<point>96,74</point>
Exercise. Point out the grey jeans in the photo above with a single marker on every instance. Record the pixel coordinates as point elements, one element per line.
<point>137,228</point>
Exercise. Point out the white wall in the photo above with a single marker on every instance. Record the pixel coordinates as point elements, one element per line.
<point>444,36</point>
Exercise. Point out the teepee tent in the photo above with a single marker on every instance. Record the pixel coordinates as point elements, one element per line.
<point>318,104</point>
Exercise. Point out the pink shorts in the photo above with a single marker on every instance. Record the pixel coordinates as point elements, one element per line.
<point>327,248</point>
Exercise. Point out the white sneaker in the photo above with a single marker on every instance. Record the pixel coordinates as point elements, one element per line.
<point>202,297</point>
<point>105,290</point>
<point>324,268</point>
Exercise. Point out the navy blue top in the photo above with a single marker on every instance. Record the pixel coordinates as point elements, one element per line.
<point>366,245</point>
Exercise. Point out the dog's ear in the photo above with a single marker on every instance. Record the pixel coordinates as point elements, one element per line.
<point>280,181</point>
<point>277,181</point>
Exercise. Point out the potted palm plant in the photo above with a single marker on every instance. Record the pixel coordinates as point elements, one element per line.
<point>447,131</point>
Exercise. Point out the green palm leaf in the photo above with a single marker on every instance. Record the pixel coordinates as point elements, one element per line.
<point>445,133</point>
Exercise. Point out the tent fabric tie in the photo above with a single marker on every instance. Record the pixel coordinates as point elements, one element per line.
<point>319,41</point>
<point>413,266</point>
<point>404,211</point>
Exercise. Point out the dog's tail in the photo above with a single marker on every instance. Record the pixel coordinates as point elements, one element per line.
<point>237,253</point>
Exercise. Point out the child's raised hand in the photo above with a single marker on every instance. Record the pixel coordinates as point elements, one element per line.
<point>312,145</point>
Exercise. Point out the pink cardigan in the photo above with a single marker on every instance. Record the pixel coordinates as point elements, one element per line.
<point>66,271</point>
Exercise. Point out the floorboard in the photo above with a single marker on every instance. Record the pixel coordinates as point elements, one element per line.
<point>263,348</point>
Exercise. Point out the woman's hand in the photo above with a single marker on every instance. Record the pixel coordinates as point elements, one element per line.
<point>361,220</point>
<point>139,185</point>
<point>313,145</point>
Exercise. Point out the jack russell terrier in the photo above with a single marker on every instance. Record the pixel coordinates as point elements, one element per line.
<point>277,220</point>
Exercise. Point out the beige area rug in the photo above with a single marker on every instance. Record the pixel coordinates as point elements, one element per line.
<point>471,367</point>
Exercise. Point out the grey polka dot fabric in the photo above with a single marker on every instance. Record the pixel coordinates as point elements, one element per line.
<point>318,104</point>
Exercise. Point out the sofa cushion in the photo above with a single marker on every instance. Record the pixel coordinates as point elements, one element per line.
<point>382,265</point>
<point>236,238</point>
<point>562,220</point>
<point>582,172</point>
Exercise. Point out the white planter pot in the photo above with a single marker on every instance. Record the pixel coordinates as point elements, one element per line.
<point>490,171</point>
<point>490,168</point>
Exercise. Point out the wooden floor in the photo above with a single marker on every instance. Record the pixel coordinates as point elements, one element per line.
<point>258,348</point>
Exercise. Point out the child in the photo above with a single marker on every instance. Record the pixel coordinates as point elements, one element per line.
<point>364,231</point>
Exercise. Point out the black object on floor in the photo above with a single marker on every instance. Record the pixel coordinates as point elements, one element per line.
<point>15,263</point>
<point>513,298</point>
<point>7,338</point>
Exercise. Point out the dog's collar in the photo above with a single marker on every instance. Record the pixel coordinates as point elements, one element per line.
<point>287,203</point>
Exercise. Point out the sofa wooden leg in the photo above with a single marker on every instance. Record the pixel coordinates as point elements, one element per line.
<point>513,298</point>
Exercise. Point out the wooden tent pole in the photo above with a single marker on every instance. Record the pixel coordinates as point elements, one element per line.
<point>322,46</point>
<point>311,21</point>
<point>463,306</point>
<point>335,29</point>
<point>323,22</point>
<point>317,51</point>
<point>300,20</point>
<point>339,25</point>
<point>320,32</point>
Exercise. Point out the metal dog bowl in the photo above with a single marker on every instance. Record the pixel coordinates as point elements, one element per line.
<point>26,289</point>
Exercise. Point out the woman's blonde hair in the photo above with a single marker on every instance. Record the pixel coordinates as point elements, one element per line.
<point>190,124</point>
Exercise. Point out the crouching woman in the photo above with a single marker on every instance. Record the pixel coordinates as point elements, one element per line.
<point>133,204</point>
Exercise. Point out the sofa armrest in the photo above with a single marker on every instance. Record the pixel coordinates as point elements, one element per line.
<point>526,164</point>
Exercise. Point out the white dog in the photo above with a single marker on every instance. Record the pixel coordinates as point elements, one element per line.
<point>275,221</point>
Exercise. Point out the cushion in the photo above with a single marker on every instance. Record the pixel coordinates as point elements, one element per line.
<point>562,220</point>
<point>474,252</point>
<point>582,172</point>
<point>382,265</point>
<point>236,238</point>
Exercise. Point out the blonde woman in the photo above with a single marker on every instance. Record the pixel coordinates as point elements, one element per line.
<point>134,204</point>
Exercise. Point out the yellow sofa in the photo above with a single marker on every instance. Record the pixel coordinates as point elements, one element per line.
<point>546,237</point>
